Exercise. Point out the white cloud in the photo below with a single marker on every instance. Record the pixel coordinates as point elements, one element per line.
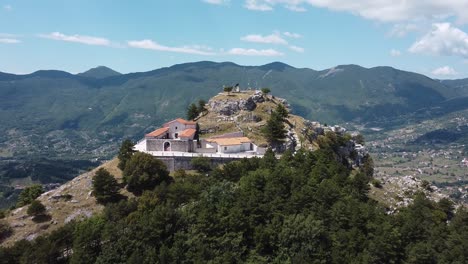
<point>296,49</point>
<point>269,39</point>
<point>295,8</point>
<point>149,44</point>
<point>9,41</point>
<point>255,52</point>
<point>395,53</point>
<point>444,71</point>
<point>401,30</point>
<point>442,40</point>
<point>257,5</point>
<point>88,40</point>
<point>292,35</point>
<point>216,2</point>
<point>7,7</point>
<point>381,10</point>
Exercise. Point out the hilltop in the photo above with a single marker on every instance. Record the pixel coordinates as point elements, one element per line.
<point>246,111</point>
<point>100,72</point>
<point>54,117</point>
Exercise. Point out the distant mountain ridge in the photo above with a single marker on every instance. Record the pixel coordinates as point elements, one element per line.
<point>101,106</point>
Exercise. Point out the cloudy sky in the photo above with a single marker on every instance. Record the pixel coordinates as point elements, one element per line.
<point>424,36</point>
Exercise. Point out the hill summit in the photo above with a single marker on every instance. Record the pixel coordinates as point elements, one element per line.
<point>100,72</point>
<point>319,167</point>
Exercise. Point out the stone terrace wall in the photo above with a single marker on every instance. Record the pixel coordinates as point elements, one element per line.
<point>175,163</point>
<point>176,145</point>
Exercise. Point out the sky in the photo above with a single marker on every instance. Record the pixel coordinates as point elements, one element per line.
<point>424,36</point>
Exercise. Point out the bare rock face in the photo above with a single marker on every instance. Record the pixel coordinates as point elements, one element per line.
<point>258,98</point>
<point>230,107</point>
<point>248,104</point>
<point>291,142</point>
<point>225,107</point>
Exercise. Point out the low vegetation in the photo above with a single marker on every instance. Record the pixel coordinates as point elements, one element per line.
<point>5,230</point>
<point>36,208</point>
<point>201,164</point>
<point>29,194</point>
<point>310,207</point>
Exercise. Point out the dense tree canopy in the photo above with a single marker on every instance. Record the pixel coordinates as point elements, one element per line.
<point>201,164</point>
<point>144,172</point>
<point>307,207</point>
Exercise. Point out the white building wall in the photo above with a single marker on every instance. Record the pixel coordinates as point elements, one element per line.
<point>230,149</point>
<point>175,127</point>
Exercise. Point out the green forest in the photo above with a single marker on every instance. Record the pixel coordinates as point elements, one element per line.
<point>307,207</point>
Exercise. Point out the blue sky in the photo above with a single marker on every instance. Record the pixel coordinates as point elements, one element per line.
<point>428,37</point>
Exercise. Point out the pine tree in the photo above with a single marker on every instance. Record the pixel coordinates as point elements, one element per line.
<point>105,187</point>
<point>282,111</point>
<point>201,106</point>
<point>274,131</point>
<point>125,153</point>
<point>192,112</point>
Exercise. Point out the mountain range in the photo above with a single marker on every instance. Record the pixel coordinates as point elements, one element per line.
<point>59,115</point>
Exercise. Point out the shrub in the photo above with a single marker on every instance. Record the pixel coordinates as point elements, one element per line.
<point>201,164</point>
<point>36,208</point>
<point>5,230</point>
<point>29,194</point>
<point>265,90</point>
<point>376,183</point>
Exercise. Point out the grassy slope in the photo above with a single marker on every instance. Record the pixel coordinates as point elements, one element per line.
<point>251,129</point>
<point>82,203</point>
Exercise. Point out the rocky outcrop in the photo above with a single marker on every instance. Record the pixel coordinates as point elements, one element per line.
<point>351,151</point>
<point>248,104</point>
<point>258,97</point>
<point>230,107</point>
<point>399,191</point>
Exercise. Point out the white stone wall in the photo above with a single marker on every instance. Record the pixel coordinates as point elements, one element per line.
<point>176,127</point>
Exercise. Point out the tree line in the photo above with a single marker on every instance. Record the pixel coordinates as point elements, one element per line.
<point>307,207</point>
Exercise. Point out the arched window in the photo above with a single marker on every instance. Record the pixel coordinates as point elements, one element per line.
<point>167,146</point>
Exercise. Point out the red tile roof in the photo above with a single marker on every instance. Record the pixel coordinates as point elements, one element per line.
<point>182,121</point>
<point>229,141</point>
<point>188,133</point>
<point>158,132</point>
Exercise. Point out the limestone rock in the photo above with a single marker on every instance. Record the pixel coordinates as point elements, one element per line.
<point>248,104</point>
<point>258,98</point>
